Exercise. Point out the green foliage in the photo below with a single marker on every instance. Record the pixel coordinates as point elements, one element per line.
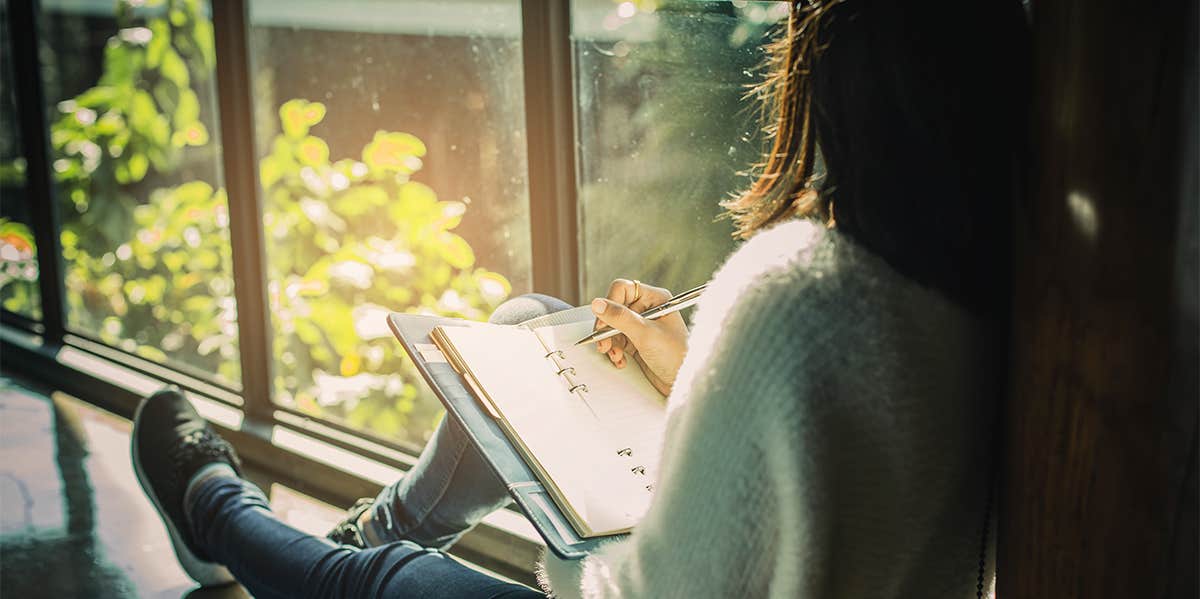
<point>148,261</point>
<point>12,173</point>
<point>166,290</point>
<point>146,264</point>
<point>141,114</point>
<point>18,269</point>
<point>350,240</point>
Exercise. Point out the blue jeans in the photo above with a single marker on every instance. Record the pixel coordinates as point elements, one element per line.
<point>233,525</point>
<point>447,492</point>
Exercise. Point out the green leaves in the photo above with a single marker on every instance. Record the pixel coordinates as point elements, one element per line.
<point>312,151</point>
<point>350,234</point>
<point>187,111</point>
<point>455,251</point>
<point>166,290</point>
<point>149,270</point>
<point>160,43</point>
<point>140,114</point>
<point>297,116</point>
<point>16,243</point>
<point>360,200</point>
<point>394,153</point>
<point>133,169</point>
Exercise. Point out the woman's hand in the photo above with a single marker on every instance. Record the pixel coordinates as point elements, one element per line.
<point>657,345</point>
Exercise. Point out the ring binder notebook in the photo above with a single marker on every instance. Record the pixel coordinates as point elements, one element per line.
<point>569,374</point>
<point>590,432</point>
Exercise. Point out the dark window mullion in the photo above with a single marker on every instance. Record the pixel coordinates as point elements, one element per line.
<point>230,26</point>
<point>35,137</point>
<point>21,321</point>
<point>550,127</point>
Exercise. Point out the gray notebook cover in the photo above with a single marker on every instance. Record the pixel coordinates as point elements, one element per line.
<point>485,433</point>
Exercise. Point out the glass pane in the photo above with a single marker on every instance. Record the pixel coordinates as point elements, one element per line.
<point>663,132</point>
<point>392,144</point>
<point>18,254</point>
<point>144,219</point>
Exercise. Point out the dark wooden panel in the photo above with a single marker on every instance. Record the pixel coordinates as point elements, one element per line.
<point>23,18</point>
<point>550,130</point>
<point>230,20</point>
<point>1087,500</point>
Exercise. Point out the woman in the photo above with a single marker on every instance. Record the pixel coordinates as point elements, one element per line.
<point>831,412</point>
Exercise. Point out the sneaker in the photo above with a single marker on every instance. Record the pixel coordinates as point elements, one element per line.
<point>170,443</point>
<point>348,532</point>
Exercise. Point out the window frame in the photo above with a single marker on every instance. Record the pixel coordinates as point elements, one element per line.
<point>116,380</point>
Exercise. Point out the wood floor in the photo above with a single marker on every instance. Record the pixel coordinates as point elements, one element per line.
<point>73,520</point>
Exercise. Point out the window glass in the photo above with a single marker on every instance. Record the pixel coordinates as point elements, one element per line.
<point>18,253</point>
<point>143,214</point>
<point>663,132</point>
<point>393,169</point>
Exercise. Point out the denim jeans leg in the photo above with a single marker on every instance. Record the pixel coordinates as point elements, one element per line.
<point>451,488</point>
<point>232,524</point>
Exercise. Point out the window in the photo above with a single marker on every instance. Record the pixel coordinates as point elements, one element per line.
<point>393,175</point>
<point>144,220</point>
<point>391,154</point>
<point>390,150</point>
<point>663,133</point>
<point>18,252</point>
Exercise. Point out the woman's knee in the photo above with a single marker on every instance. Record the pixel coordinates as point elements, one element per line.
<point>408,570</point>
<point>524,307</point>
<point>399,569</point>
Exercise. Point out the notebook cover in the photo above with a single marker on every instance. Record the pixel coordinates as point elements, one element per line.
<point>485,433</point>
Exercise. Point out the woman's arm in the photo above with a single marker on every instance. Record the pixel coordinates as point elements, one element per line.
<point>714,527</point>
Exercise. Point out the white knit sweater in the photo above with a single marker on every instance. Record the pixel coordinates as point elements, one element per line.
<point>828,436</point>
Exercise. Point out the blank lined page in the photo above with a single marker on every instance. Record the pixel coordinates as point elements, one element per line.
<point>559,435</point>
<point>631,411</point>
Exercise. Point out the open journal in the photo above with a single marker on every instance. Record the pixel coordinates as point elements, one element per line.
<point>591,432</point>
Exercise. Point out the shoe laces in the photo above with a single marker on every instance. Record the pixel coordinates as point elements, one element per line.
<point>201,445</point>
<point>348,532</point>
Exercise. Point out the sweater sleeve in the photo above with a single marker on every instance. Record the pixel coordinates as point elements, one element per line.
<point>713,529</point>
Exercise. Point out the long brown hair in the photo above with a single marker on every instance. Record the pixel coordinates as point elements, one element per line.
<point>904,124</point>
<point>784,184</point>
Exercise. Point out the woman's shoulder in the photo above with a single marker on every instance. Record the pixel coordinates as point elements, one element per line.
<point>801,265</point>
<point>803,277</point>
<point>773,266</point>
<point>792,245</point>
<point>766,286</point>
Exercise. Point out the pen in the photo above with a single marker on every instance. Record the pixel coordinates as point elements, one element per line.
<point>679,302</point>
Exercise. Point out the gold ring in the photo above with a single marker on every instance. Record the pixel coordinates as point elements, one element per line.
<point>637,290</point>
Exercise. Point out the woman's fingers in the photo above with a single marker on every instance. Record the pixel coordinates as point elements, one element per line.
<point>620,317</point>
<point>617,349</point>
<point>621,310</point>
<point>651,297</point>
<point>637,295</point>
<point>617,341</point>
<point>622,291</point>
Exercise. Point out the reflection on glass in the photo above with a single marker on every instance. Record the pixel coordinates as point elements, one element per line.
<point>392,145</point>
<point>143,216</point>
<point>663,132</point>
<point>18,254</point>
